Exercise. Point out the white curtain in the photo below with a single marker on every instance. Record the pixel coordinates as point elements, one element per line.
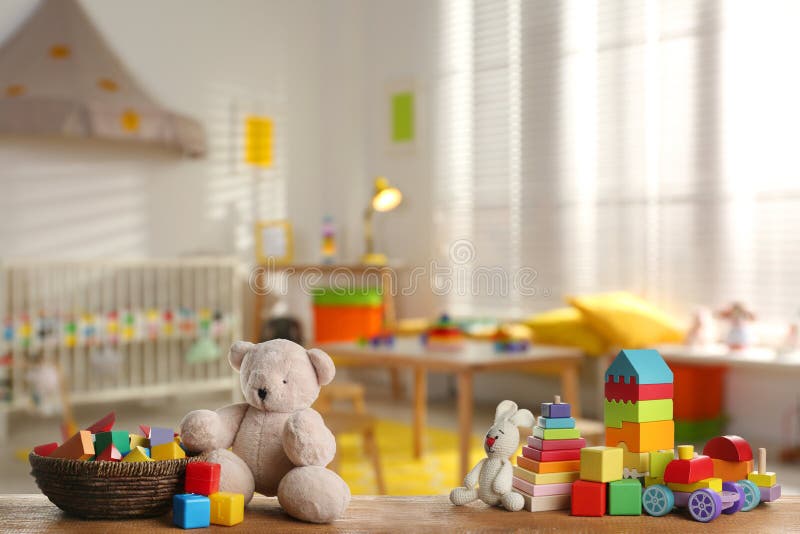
<point>646,145</point>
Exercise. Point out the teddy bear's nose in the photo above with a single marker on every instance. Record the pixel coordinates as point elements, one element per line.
<point>262,393</point>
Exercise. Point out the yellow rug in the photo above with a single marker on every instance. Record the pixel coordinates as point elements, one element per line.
<point>433,474</point>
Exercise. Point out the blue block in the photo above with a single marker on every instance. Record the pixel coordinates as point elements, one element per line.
<point>191,511</point>
<point>146,451</point>
<point>556,411</point>
<point>160,436</point>
<point>639,367</point>
<point>558,422</point>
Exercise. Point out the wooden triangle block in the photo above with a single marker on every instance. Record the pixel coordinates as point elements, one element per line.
<point>78,447</point>
<point>110,454</point>
<point>145,430</point>
<point>103,425</point>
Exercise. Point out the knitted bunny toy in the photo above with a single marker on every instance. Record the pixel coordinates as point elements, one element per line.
<point>494,473</point>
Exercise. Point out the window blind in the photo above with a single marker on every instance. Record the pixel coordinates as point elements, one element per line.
<point>619,144</point>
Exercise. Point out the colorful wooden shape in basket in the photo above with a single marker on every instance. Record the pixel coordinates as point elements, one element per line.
<point>688,469</point>
<point>138,441</point>
<point>46,449</point>
<point>109,454</point>
<point>145,430</point>
<point>120,438</point>
<point>159,435</point>
<point>588,498</point>
<point>635,392</point>
<point>545,503</point>
<point>139,454</point>
<point>548,467</point>
<point>551,456</point>
<point>615,412</point>
<point>640,366</point>
<point>601,464</point>
<point>167,451</point>
<point>625,497</point>
<point>103,425</point>
<point>555,444</point>
<point>563,488</point>
<point>226,508</point>
<point>557,422</point>
<point>79,447</point>
<point>556,433</point>
<point>771,493</point>
<point>643,437</point>
<point>729,448</point>
<point>556,410</point>
<point>191,511</point>
<point>202,478</point>
<point>710,483</point>
<point>545,478</point>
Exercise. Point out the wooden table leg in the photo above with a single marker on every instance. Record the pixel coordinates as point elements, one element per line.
<point>464,421</point>
<point>420,409</point>
<point>570,388</point>
<point>258,305</point>
<point>398,391</point>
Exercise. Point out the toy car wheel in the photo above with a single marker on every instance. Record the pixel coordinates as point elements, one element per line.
<point>752,495</point>
<point>735,488</point>
<point>704,505</point>
<point>658,500</point>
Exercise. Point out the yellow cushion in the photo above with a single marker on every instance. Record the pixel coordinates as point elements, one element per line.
<point>626,321</point>
<point>566,326</point>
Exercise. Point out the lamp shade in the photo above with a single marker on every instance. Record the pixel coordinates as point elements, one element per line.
<point>386,197</point>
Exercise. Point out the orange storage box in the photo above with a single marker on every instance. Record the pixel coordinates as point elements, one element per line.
<point>699,391</point>
<point>347,315</point>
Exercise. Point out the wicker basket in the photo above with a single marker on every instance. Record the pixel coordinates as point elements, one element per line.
<point>109,490</point>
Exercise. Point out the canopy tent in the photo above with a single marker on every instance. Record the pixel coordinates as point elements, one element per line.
<point>58,76</point>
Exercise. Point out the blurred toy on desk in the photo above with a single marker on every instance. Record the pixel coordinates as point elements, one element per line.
<point>702,332</point>
<point>444,335</point>
<point>740,335</point>
<point>512,338</point>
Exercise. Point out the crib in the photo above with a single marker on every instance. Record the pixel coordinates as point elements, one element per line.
<point>116,330</point>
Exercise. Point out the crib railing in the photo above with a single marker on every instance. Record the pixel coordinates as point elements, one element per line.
<point>118,329</point>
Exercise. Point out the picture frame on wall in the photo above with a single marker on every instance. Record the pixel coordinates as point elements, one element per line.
<point>274,242</point>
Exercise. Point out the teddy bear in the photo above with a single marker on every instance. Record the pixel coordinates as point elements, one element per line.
<point>274,443</point>
<point>494,474</point>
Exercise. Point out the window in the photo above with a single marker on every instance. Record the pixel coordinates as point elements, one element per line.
<point>630,144</point>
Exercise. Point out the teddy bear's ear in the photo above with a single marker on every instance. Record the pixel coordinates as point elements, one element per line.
<point>323,366</point>
<point>237,353</point>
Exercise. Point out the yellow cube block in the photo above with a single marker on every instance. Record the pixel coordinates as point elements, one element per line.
<point>601,464</point>
<point>713,483</point>
<point>652,481</point>
<point>139,441</point>
<point>658,462</point>
<point>227,508</point>
<point>137,455</point>
<point>167,451</point>
<point>766,480</point>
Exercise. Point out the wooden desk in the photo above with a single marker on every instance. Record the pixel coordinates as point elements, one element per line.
<point>476,356</point>
<point>753,357</point>
<point>34,513</point>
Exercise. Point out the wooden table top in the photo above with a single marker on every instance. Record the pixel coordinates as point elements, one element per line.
<point>475,355</point>
<point>34,513</point>
<point>718,354</point>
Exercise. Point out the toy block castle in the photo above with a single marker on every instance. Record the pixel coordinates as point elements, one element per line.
<point>551,461</point>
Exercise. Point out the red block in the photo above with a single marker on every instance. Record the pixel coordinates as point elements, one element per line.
<point>588,498</point>
<point>46,449</point>
<point>551,456</point>
<point>689,471</point>
<point>729,448</point>
<point>634,392</point>
<point>110,454</point>
<point>145,430</point>
<point>202,478</point>
<point>556,444</point>
<point>103,425</point>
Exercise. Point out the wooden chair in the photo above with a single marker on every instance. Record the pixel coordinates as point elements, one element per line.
<point>354,421</point>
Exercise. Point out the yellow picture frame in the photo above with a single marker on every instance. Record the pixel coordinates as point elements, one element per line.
<point>274,242</point>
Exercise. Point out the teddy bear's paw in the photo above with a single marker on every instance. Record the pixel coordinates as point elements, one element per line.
<point>512,501</point>
<point>314,494</point>
<point>235,475</point>
<point>307,441</point>
<point>199,430</point>
<point>463,495</point>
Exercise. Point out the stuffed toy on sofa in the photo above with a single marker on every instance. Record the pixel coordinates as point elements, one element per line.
<point>280,445</point>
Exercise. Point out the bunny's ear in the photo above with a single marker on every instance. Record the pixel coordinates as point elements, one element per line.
<point>505,410</point>
<point>523,418</point>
